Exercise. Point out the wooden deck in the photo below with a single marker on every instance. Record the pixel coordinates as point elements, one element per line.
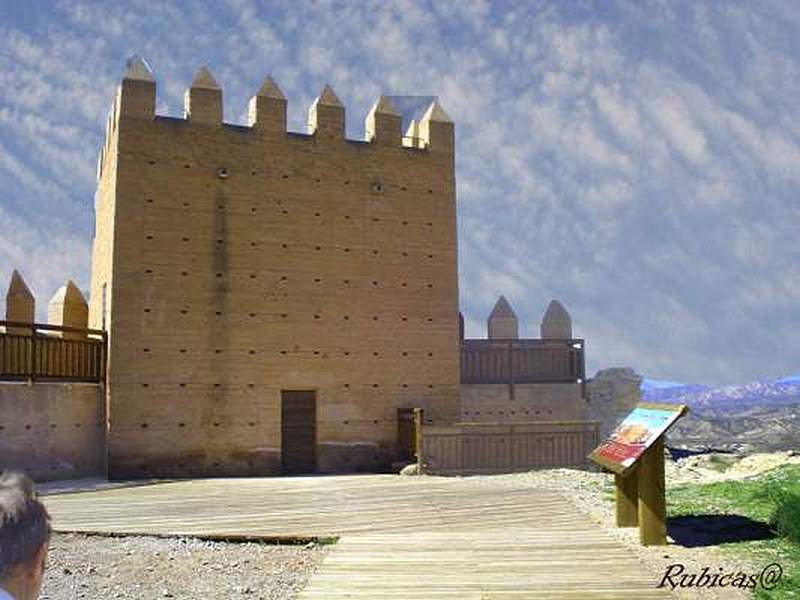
<point>399,537</point>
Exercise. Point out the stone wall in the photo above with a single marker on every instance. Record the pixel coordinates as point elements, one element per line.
<point>531,402</point>
<point>52,430</point>
<point>612,394</point>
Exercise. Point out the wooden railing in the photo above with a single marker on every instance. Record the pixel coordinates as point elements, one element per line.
<point>522,361</point>
<point>38,352</point>
<point>484,448</point>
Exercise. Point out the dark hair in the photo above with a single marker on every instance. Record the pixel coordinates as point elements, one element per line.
<point>24,522</point>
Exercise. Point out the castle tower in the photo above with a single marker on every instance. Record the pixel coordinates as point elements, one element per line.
<point>68,308</point>
<point>556,322</point>
<point>271,297</point>
<point>20,304</point>
<point>502,322</point>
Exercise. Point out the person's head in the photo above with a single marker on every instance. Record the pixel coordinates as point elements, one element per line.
<point>24,537</point>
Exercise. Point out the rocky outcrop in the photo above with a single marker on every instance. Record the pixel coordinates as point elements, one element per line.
<point>612,394</point>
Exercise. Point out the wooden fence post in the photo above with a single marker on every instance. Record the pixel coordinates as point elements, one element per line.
<point>652,501</point>
<point>32,356</point>
<point>511,378</point>
<point>418,414</point>
<point>626,498</point>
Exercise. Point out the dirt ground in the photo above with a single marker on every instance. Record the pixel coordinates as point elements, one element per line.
<point>147,568</point>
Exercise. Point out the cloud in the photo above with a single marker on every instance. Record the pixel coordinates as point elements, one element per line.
<point>621,114</point>
<point>638,161</point>
<point>45,258</point>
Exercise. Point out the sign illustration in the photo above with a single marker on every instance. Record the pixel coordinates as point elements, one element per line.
<point>636,434</point>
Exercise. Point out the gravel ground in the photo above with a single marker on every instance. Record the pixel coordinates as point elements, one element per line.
<point>149,568</point>
<point>588,492</point>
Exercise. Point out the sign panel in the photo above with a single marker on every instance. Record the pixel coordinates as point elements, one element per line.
<point>643,426</point>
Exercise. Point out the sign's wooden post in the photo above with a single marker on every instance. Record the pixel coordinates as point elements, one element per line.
<point>418,414</point>
<point>626,498</point>
<point>652,501</point>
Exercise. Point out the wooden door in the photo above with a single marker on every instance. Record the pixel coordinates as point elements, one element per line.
<point>298,431</point>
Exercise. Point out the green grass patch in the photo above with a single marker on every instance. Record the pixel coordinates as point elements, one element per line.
<point>772,498</point>
<point>786,516</point>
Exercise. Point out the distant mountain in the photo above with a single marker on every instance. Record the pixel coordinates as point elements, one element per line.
<point>658,384</point>
<point>748,417</point>
<point>673,393</point>
<point>759,430</point>
<point>730,399</point>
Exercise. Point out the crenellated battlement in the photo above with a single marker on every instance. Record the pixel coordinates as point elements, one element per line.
<point>203,105</point>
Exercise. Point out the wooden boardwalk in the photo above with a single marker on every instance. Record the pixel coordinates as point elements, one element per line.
<point>399,537</point>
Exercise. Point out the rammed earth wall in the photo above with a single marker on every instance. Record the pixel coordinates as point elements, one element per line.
<point>52,430</point>
<point>233,262</point>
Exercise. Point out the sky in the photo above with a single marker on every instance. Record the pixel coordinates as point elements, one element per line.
<point>639,161</point>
